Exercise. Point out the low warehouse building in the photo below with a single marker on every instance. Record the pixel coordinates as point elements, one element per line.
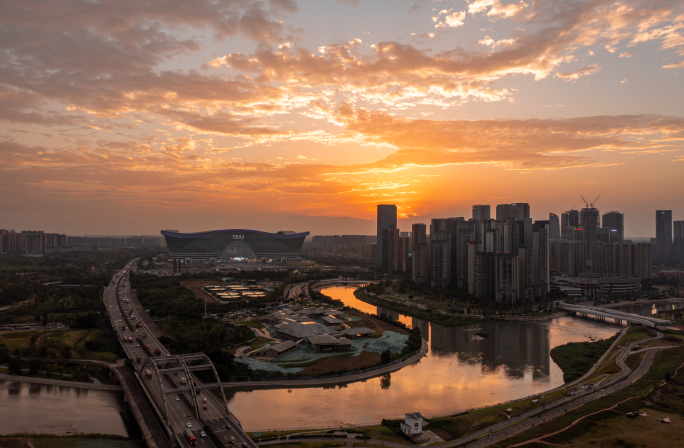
<point>357,332</point>
<point>332,322</point>
<point>295,331</point>
<point>325,342</point>
<point>276,350</point>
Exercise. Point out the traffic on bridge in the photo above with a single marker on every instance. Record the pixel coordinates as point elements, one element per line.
<point>184,390</point>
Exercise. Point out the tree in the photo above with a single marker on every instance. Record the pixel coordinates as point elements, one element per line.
<point>4,353</point>
<point>66,351</point>
<point>386,381</point>
<point>14,365</point>
<point>385,356</point>
<point>34,366</point>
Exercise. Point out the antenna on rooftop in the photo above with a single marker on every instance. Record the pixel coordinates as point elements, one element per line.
<point>590,204</point>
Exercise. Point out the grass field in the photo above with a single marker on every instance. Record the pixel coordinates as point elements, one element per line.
<point>380,433</point>
<point>633,361</point>
<point>450,428</point>
<point>19,340</point>
<point>258,342</point>
<point>632,398</point>
<point>635,334</point>
<point>613,428</point>
<point>671,340</point>
<point>361,323</point>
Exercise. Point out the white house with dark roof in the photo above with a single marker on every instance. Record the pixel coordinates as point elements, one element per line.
<point>412,424</point>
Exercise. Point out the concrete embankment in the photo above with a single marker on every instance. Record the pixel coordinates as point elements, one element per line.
<point>337,379</point>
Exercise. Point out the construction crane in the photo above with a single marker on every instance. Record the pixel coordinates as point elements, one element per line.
<point>590,204</point>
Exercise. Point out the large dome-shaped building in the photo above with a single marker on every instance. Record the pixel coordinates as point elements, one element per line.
<point>234,243</point>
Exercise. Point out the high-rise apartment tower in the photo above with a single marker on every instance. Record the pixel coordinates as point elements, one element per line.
<point>387,219</point>
<point>481,212</point>
<point>554,230</point>
<point>615,220</point>
<point>663,247</point>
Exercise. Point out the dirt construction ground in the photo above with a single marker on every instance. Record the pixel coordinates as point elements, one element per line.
<point>196,287</point>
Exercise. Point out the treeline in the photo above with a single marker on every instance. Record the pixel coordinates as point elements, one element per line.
<point>319,296</point>
<point>23,278</point>
<point>185,324</point>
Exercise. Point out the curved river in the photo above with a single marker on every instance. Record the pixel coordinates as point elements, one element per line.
<point>457,373</point>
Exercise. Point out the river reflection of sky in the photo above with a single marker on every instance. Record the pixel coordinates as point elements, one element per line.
<point>57,410</point>
<point>459,372</point>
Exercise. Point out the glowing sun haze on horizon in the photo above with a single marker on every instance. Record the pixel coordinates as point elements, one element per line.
<point>126,117</point>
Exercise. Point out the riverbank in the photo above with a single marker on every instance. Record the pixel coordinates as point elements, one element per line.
<point>332,380</point>
<point>441,318</point>
<point>547,418</point>
<point>577,358</point>
<point>460,371</point>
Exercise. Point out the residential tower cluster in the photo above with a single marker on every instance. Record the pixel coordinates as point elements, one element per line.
<point>510,257</point>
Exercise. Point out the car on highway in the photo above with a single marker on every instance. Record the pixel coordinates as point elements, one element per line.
<point>177,398</point>
<point>203,434</point>
<point>204,407</point>
<point>232,440</point>
<point>189,417</point>
<point>228,427</point>
<point>204,400</point>
<point>189,425</point>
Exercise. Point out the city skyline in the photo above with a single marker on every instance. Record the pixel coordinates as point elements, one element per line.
<point>119,119</point>
<point>318,225</point>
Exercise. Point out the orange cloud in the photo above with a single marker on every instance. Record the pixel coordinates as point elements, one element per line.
<point>576,74</point>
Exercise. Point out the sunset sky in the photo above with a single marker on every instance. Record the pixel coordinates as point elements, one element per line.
<point>130,116</point>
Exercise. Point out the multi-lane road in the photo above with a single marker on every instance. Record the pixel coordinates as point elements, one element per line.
<point>117,298</point>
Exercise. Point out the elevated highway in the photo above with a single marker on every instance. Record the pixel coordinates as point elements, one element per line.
<point>618,316</point>
<point>184,390</point>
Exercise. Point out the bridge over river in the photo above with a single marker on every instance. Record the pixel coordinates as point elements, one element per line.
<point>184,391</point>
<point>619,316</point>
